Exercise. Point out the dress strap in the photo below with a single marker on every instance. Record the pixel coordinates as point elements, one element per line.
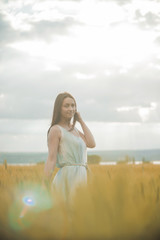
<point>77,131</point>
<point>61,129</point>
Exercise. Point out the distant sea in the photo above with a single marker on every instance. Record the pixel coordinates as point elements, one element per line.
<point>28,158</point>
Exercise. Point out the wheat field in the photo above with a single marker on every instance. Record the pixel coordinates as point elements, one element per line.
<point>119,202</point>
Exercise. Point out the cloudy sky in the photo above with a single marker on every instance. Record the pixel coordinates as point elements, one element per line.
<point>106,53</point>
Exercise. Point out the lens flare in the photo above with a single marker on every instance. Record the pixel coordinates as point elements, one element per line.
<point>29,201</point>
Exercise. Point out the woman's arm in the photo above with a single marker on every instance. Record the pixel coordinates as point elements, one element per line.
<point>87,136</point>
<point>53,143</point>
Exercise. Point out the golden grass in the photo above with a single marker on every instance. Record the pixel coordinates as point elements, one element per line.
<point>119,202</point>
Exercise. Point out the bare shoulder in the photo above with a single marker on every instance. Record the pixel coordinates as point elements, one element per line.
<point>54,132</point>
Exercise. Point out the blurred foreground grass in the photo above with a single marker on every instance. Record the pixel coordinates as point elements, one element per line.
<point>120,202</point>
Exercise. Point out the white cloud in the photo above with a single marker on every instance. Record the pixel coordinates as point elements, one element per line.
<point>153,105</point>
<point>24,126</point>
<point>107,72</point>
<point>112,136</point>
<point>97,13</point>
<point>84,76</point>
<point>144,112</point>
<point>88,44</point>
<point>105,53</point>
<point>23,143</point>
<point>51,66</point>
<point>108,136</point>
<point>2,95</point>
<point>90,101</point>
<point>126,108</point>
<point>145,6</point>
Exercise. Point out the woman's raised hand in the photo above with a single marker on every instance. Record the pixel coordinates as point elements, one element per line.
<point>78,117</point>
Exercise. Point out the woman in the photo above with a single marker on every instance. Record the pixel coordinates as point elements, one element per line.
<point>67,147</point>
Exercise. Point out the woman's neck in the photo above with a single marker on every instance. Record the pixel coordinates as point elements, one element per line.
<point>65,123</point>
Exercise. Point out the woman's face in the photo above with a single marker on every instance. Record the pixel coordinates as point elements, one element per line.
<point>68,108</point>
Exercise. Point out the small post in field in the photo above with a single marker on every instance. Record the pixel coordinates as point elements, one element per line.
<point>5,163</point>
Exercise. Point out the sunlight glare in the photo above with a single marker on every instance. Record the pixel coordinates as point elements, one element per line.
<point>122,45</point>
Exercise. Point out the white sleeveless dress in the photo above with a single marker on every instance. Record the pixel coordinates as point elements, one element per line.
<point>72,161</point>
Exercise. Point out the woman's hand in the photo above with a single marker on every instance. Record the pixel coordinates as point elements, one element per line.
<point>78,117</point>
<point>86,135</point>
